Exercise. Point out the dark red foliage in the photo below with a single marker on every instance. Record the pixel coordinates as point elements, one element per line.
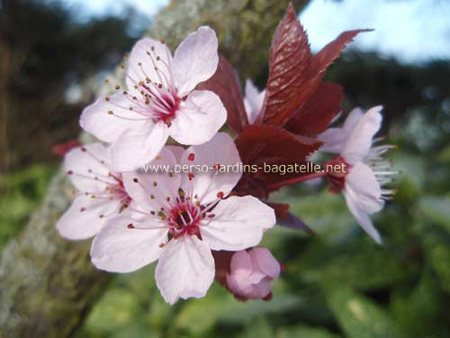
<point>289,62</point>
<point>332,51</point>
<point>264,146</point>
<point>316,114</point>
<point>294,73</point>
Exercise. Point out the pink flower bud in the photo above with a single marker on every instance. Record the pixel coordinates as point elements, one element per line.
<point>251,273</point>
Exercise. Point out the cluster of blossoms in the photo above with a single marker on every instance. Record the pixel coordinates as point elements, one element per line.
<point>202,226</point>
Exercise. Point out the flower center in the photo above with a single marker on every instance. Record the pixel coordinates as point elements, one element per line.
<point>185,218</point>
<point>153,94</point>
<point>337,178</point>
<point>114,187</point>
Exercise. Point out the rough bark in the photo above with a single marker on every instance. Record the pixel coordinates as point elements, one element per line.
<point>48,284</point>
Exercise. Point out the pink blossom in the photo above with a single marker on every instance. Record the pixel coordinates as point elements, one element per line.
<point>160,101</point>
<point>367,171</point>
<point>101,193</point>
<point>251,273</point>
<point>180,218</point>
<point>253,101</point>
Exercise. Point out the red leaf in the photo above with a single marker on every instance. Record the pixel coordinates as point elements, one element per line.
<point>315,116</point>
<point>294,74</point>
<point>331,51</point>
<point>291,221</point>
<point>289,61</point>
<point>281,209</point>
<point>272,144</point>
<point>264,146</point>
<point>226,85</point>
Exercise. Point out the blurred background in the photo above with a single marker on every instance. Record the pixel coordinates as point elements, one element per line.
<point>54,57</point>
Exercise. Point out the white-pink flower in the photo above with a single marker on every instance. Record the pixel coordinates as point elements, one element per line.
<point>251,273</point>
<point>253,101</point>
<point>180,218</point>
<point>101,193</point>
<point>367,172</point>
<point>160,101</point>
<point>335,138</point>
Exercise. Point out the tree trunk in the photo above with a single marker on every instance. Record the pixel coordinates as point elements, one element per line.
<point>48,285</point>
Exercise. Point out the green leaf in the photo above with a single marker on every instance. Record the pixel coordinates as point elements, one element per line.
<point>303,331</point>
<point>259,328</point>
<point>358,316</point>
<point>437,209</point>
<point>421,310</point>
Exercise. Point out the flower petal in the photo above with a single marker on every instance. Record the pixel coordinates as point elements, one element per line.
<point>84,164</point>
<point>195,60</point>
<point>239,223</point>
<point>241,265</point>
<point>359,141</point>
<point>146,55</point>
<point>253,101</point>
<point>177,152</point>
<point>151,189</point>
<point>206,185</point>
<point>352,119</point>
<point>137,147</point>
<point>185,269</point>
<point>107,120</point>
<point>335,139</point>
<point>362,185</point>
<point>120,249</point>
<point>263,258</point>
<point>362,218</point>
<point>199,118</point>
<point>85,217</point>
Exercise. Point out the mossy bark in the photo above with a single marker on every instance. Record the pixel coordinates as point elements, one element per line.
<point>47,284</point>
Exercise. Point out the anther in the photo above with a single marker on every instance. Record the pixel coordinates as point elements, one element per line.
<point>130,226</point>
<point>191,157</point>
